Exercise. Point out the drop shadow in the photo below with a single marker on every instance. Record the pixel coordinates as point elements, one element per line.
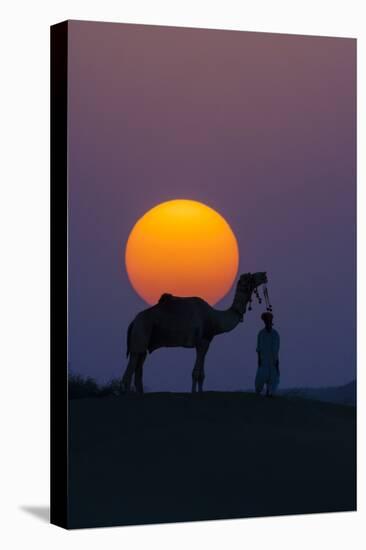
<point>40,512</point>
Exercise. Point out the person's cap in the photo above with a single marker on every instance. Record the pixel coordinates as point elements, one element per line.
<point>266,315</point>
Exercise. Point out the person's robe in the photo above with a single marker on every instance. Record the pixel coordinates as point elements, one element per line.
<point>268,346</point>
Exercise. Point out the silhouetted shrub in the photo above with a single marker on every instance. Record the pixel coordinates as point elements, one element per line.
<point>87,387</point>
<point>82,387</point>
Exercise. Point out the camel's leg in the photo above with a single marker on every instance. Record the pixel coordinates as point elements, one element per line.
<point>198,373</point>
<point>138,373</point>
<point>202,376</point>
<point>195,373</point>
<point>202,370</point>
<point>130,369</point>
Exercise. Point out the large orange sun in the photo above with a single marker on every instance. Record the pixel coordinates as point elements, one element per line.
<point>182,247</point>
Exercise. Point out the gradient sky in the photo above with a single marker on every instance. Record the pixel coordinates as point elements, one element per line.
<point>262,128</point>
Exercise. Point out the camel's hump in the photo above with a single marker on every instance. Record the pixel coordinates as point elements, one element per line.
<point>167,298</point>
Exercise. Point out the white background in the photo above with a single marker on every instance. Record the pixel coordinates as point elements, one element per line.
<point>24,273</point>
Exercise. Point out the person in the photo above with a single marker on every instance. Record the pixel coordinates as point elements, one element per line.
<point>268,346</point>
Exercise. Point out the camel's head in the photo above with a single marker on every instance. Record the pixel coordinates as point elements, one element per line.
<point>259,278</point>
<point>247,285</point>
<point>252,280</point>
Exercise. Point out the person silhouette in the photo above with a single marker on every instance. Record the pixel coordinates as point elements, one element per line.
<point>268,346</point>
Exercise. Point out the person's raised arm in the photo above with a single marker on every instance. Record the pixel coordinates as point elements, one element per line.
<point>277,364</point>
<point>258,350</point>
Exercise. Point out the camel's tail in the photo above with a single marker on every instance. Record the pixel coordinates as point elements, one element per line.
<point>128,338</point>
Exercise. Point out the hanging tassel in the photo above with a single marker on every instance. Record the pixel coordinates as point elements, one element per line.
<point>257,295</point>
<point>266,297</point>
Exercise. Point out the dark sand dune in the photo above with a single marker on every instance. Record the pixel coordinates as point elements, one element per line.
<point>167,457</point>
<point>343,395</point>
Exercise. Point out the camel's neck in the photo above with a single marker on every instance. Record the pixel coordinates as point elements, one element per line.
<point>228,319</point>
<point>241,299</point>
<point>225,320</point>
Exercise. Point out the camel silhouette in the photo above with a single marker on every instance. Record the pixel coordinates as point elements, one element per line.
<point>184,322</point>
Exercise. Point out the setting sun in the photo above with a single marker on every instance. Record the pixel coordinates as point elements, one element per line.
<point>182,247</point>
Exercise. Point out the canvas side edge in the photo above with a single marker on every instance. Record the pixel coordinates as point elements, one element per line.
<point>59,244</point>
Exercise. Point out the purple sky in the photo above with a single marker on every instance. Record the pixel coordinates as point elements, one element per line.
<point>262,128</point>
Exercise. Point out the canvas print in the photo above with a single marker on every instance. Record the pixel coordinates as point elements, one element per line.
<point>211,274</point>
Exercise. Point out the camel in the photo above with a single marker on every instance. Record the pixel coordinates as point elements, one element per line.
<point>188,322</point>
